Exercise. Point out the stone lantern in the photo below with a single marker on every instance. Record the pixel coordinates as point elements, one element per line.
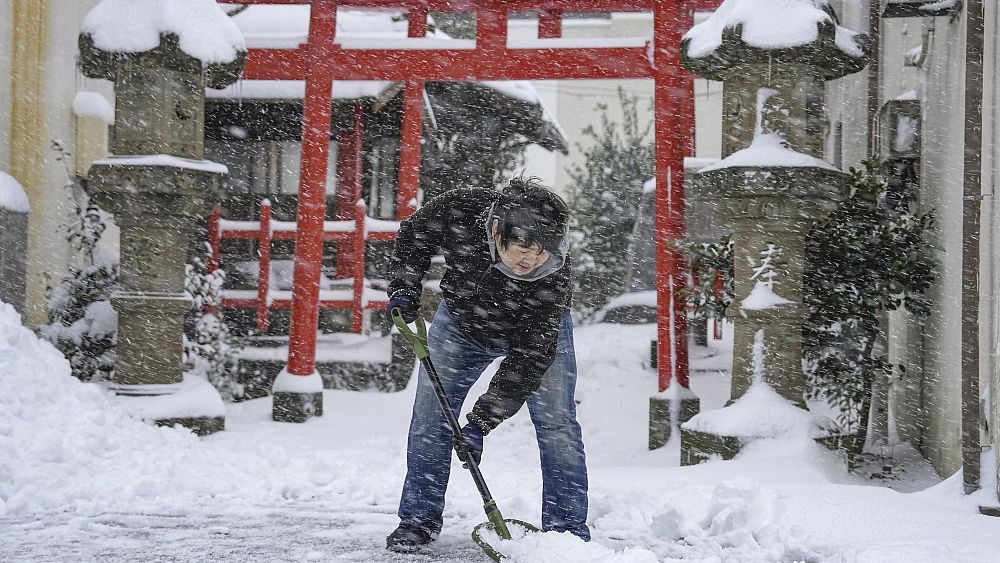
<point>771,186</point>
<point>158,186</point>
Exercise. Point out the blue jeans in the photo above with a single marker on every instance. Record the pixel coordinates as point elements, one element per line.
<point>459,361</point>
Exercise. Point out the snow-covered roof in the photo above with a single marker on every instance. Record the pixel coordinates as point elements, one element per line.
<point>768,150</point>
<point>204,31</point>
<point>768,24</point>
<point>12,195</point>
<point>296,89</point>
<point>287,27</point>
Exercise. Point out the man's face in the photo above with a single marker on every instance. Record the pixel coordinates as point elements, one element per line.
<point>522,260</point>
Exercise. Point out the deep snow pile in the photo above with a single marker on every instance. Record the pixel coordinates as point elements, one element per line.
<point>65,445</point>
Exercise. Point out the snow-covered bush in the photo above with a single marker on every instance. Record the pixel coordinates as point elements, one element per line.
<point>606,192</point>
<point>82,324</point>
<point>210,349</point>
<point>712,266</point>
<point>867,257</point>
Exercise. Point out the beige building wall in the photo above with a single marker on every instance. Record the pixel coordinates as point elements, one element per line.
<point>991,176</point>
<point>942,95</point>
<point>926,400</point>
<point>6,44</point>
<point>42,79</point>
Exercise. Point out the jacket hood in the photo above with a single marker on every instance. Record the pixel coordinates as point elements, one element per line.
<point>555,262</point>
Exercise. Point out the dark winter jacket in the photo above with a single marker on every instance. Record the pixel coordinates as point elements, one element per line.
<point>521,316</point>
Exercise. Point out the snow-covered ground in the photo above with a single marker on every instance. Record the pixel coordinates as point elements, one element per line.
<point>80,480</point>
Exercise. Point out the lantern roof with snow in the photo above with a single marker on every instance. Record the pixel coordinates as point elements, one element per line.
<point>742,32</point>
<point>186,35</point>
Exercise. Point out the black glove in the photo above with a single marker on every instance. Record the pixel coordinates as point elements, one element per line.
<point>408,307</point>
<point>472,437</point>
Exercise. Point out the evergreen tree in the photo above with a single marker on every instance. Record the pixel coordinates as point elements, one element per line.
<point>712,268</point>
<point>868,257</point>
<point>476,143</point>
<point>82,324</point>
<point>210,349</point>
<point>607,191</point>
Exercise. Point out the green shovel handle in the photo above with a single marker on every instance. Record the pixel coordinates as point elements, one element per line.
<point>418,340</point>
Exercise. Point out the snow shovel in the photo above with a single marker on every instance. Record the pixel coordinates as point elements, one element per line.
<point>496,523</point>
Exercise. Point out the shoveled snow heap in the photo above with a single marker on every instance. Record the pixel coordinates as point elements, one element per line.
<point>133,26</point>
<point>767,24</point>
<point>65,444</point>
<point>760,413</point>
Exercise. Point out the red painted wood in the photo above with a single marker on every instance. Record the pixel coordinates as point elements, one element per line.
<point>701,5</point>
<point>454,64</point>
<point>214,248</point>
<point>688,115</point>
<point>719,288</point>
<point>263,266</point>
<point>322,62</point>
<point>279,303</point>
<point>312,193</point>
<point>290,235</point>
<point>409,149</point>
<point>360,211</point>
<point>417,22</point>
<point>474,5</point>
<point>491,30</point>
<point>669,20</point>
<point>214,238</point>
<point>549,24</point>
<point>349,189</point>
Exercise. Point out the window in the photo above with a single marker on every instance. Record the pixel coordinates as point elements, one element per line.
<point>265,167</point>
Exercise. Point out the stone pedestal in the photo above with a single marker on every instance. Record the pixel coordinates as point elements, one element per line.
<point>159,194</point>
<point>772,206</point>
<point>668,411</point>
<point>296,398</point>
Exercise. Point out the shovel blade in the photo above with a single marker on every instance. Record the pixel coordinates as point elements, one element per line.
<point>486,535</point>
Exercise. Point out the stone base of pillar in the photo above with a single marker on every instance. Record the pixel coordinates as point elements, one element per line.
<point>699,447</point>
<point>669,410</point>
<point>195,404</point>
<point>990,511</point>
<point>296,398</point>
<point>296,407</point>
<point>201,426</point>
<point>150,328</point>
<point>659,422</point>
<point>842,443</point>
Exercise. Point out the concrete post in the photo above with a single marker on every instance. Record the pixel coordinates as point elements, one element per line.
<point>13,242</point>
<point>772,186</point>
<point>158,194</point>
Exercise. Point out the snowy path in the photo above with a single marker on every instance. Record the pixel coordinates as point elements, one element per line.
<point>293,533</point>
<point>80,481</point>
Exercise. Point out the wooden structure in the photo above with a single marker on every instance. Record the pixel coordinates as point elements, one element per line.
<point>322,60</point>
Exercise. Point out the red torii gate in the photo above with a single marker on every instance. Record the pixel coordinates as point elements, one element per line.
<point>320,61</point>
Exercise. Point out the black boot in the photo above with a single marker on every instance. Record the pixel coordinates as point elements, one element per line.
<point>407,539</point>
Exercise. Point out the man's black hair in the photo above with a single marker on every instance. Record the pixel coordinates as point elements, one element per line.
<point>530,213</point>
